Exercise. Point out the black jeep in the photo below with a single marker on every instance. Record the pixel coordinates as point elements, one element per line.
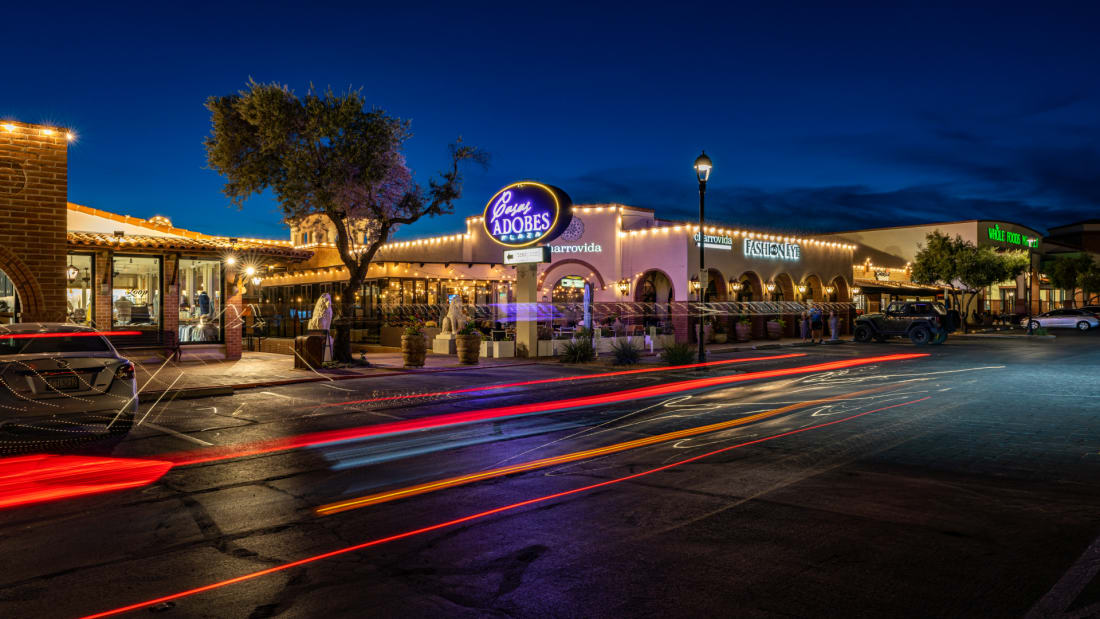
<point>920,321</point>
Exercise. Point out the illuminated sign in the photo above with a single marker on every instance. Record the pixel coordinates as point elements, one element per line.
<point>571,281</point>
<point>1008,236</point>
<point>715,242</point>
<point>583,248</point>
<point>771,249</point>
<point>526,213</point>
<point>882,276</point>
<point>527,255</point>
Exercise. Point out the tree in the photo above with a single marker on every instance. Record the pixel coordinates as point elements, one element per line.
<point>1068,272</point>
<point>327,154</point>
<point>1089,282</point>
<point>964,269</point>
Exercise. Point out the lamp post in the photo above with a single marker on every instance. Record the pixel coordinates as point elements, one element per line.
<point>703,166</point>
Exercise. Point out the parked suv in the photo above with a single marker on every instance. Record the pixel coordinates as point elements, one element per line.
<point>922,322</point>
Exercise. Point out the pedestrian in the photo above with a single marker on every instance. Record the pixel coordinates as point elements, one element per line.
<point>804,325</point>
<point>834,326</point>
<point>816,325</point>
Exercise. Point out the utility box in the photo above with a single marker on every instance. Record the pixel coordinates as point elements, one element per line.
<point>309,351</point>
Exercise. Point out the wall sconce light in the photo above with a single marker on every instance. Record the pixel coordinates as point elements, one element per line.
<point>829,290</point>
<point>694,283</point>
<point>735,286</point>
<point>770,287</point>
<point>856,290</point>
<point>624,286</point>
<point>803,289</point>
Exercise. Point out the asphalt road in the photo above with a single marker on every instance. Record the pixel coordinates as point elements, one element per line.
<point>963,483</point>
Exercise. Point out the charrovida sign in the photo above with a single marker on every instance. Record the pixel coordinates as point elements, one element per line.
<point>526,213</point>
<point>772,250</point>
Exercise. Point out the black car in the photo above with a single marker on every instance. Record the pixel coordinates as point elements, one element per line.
<point>923,322</point>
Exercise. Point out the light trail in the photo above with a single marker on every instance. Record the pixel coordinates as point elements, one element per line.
<point>35,479</point>
<point>477,516</point>
<point>392,495</point>
<point>328,437</point>
<point>543,381</point>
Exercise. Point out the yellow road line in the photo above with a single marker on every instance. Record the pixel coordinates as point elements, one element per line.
<point>390,495</point>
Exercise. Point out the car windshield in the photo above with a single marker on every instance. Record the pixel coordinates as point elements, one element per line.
<point>34,343</point>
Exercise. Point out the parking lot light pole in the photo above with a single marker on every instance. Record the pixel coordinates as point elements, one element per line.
<point>703,166</point>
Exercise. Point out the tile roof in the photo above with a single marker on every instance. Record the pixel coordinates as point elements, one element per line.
<point>207,243</point>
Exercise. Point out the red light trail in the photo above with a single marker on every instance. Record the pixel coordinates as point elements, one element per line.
<point>559,379</point>
<point>34,479</point>
<point>23,336</point>
<point>316,439</point>
<point>471,517</point>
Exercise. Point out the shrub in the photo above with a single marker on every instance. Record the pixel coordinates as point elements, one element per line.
<point>578,351</point>
<point>1040,331</point>
<point>626,352</point>
<point>678,353</point>
<point>469,329</point>
<point>414,329</point>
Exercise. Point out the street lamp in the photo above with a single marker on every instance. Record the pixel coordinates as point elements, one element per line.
<point>703,167</point>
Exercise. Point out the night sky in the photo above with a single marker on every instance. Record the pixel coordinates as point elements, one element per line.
<point>816,118</point>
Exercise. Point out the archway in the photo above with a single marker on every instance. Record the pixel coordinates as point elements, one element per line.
<point>816,290</point>
<point>784,288</point>
<point>841,290</point>
<point>654,291</point>
<point>752,287</point>
<point>26,293</point>
<point>716,286</point>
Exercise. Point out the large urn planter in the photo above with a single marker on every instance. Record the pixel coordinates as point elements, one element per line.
<point>468,348</point>
<point>775,330</point>
<point>721,338</point>
<point>742,331</point>
<point>414,348</point>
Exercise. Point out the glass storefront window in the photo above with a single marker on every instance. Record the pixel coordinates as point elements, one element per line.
<point>135,294</point>
<point>200,310</point>
<point>79,297</point>
<point>9,300</point>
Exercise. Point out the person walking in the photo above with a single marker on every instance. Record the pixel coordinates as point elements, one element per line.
<point>816,325</point>
<point>834,326</point>
<point>804,325</point>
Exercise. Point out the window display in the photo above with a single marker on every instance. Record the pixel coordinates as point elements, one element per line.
<point>200,311</point>
<point>80,300</point>
<point>135,294</point>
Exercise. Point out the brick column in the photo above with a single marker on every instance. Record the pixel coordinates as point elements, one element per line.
<point>101,288</point>
<point>33,216</point>
<point>681,328</point>
<point>234,308</point>
<point>170,290</point>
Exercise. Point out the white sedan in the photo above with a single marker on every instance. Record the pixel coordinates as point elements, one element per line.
<point>1063,319</point>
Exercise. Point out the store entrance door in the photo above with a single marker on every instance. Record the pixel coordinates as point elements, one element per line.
<point>9,301</point>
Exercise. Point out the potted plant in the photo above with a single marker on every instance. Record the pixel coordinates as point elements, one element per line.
<point>468,344</point>
<point>743,329</point>
<point>775,328</point>
<point>413,346</point>
<point>720,335</point>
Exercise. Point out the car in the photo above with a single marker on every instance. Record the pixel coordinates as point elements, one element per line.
<point>1063,319</point>
<point>1092,309</point>
<point>62,384</point>
<point>923,322</point>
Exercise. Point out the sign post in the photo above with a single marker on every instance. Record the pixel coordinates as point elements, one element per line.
<point>520,217</point>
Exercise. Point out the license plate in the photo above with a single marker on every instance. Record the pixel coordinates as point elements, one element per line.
<point>63,382</point>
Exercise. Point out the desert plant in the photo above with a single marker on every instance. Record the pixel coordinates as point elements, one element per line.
<point>626,352</point>
<point>678,353</point>
<point>578,351</point>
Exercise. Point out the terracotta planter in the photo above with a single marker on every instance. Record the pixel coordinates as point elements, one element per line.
<point>720,338</point>
<point>742,331</point>
<point>468,348</point>
<point>414,348</point>
<point>775,330</point>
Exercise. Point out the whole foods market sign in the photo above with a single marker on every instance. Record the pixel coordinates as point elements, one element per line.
<point>1008,236</point>
<point>526,213</point>
<point>772,250</point>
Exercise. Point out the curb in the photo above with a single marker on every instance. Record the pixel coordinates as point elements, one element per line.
<point>222,390</point>
<point>1006,336</point>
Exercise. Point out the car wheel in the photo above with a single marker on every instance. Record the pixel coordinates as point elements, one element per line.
<point>863,334</point>
<point>1083,326</point>
<point>920,335</point>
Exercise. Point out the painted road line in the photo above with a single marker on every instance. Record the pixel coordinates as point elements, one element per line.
<point>179,435</point>
<point>392,495</point>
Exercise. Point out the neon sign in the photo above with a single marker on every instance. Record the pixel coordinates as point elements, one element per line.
<point>526,213</point>
<point>1008,236</point>
<point>771,249</point>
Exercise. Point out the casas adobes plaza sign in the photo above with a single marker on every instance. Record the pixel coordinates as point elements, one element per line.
<point>526,213</point>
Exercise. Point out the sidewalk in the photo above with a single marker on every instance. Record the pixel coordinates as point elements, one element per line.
<point>260,369</point>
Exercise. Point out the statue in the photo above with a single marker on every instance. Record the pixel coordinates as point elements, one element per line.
<point>455,318</point>
<point>322,314</point>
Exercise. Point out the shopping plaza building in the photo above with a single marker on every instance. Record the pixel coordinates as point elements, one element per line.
<point>151,284</point>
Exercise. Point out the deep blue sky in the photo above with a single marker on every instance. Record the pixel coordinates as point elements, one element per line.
<point>816,118</point>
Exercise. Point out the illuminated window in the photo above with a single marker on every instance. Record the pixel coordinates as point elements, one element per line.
<point>79,298</point>
<point>135,293</point>
<point>200,303</point>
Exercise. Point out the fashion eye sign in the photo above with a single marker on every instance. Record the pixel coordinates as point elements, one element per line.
<point>771,249</point>
<point>526,213</point>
